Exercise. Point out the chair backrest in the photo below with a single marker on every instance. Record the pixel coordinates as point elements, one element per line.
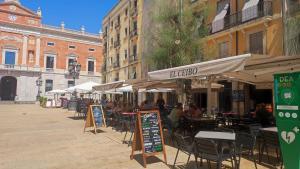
<point>270,138</point>
<point>206,147</point>
<point>222,129</point>
<point>255,129</point>
<point>245,141</point>
<point>183,142</point>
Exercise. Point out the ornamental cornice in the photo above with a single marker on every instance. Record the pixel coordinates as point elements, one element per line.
<point>51,33</point>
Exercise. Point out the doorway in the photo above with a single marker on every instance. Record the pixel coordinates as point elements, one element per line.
<point>8,88</point>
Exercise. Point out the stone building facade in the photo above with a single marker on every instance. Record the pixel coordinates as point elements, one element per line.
<point>31,51</point>
<point>121,35</point>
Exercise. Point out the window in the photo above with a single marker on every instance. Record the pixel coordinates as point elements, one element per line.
<point>221,4</point>
<point>134,50</point>
<point>117,76</point>
<point>71,83</point>
<point>10,57</point>
<point>126,31</point>
<point>50,43</point>
<point>126,12</point>
<point>72,47</point>
<point>50,62</point>
<point>30,56</point>
<point>91,66</point>
<point>256,43</point>
<point>192,1</point>
<point>223,49</point>
<point>48,85</point>
<point>70,61</point>
<point>112,24</point>
<point>111,41</point>
<point>91,49</point>
<point>125,51</point>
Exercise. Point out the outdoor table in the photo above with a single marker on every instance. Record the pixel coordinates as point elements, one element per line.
<point>216,135</point>
<point>271,129</point>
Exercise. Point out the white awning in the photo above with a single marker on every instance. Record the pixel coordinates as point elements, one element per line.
<point>214,67</point>
<point>218,22</point>
<point>250,10</point>
<point>84,87</point>
<point>245,68</point>
<point>108,86</point>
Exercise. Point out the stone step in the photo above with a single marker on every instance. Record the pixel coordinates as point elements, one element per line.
<point>17,102</point>
<point>7,102</point>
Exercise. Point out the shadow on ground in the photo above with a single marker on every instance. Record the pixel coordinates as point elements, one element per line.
<point>150,160</point>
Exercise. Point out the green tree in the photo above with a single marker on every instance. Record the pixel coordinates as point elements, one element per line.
<point>177,38</point>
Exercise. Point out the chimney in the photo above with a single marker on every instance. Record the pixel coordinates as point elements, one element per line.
<point>82,29</point>
<point>62,25</point>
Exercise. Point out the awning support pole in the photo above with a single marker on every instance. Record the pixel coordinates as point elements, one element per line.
<point>209,95</point>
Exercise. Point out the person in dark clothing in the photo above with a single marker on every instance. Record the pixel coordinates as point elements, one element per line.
<point>160,103</point>
<point>263,116</point>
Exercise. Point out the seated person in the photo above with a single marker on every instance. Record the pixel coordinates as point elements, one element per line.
<point>174,116</point>
<point>146,105</point>
<point>194,111</point>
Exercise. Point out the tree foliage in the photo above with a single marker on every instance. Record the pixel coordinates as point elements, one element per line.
<point>176,37</point>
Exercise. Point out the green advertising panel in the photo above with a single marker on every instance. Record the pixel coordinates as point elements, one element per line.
<point>287,105</point>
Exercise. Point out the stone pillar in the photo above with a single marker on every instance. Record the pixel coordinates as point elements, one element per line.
<point>24,51</point>
<point>38,52</point>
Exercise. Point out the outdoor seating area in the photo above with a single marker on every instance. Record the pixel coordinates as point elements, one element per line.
<point>206,140</point>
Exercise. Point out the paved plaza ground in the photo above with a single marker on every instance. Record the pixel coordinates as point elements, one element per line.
<point>36,138</point>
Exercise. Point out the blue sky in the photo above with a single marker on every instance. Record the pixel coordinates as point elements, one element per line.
<point>73,12</point>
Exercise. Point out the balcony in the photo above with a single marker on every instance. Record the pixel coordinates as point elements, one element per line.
<point>133,33</point>
<point>117,44</point>
<point>104,35</point>
<point>91,73</point>
<point>117,64</point>
<point>19,68</point>
<point>262,9</point>
<point>117,25</point>
<point>133,58</point>
<point>134,12</point>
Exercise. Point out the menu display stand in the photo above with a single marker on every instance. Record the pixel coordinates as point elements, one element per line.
<point>95,118</point>
<point>148,135</point>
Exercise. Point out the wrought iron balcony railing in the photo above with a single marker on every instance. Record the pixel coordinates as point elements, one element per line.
<point>263,9</point>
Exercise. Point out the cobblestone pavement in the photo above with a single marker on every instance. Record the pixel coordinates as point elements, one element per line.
<point>36,138</point>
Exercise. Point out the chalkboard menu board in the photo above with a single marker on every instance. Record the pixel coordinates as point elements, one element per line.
<point>97,112</point>
<point>95,117</point>
<point>151,133</point>
<point>148,136</point>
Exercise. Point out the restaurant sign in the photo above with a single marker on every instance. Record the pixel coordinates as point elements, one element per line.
<point>287,103</point>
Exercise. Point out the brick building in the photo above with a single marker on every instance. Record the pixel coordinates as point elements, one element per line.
<point>31,50</point>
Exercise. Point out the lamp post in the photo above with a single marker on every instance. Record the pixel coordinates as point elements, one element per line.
<point>74,71</point>
<point>39,83</point>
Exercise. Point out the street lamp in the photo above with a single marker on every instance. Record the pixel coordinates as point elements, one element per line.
<point>74,71</point>
<point>39,83</point>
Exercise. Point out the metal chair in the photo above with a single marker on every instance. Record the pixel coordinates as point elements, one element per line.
<point>245,143</point>
<point>270,140</point>
<point>211,151</point>
<point>184,144</point>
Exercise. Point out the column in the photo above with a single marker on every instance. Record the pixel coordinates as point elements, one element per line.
<point>24,51</point>
<point>38,52</point>
<point>209,96</point>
